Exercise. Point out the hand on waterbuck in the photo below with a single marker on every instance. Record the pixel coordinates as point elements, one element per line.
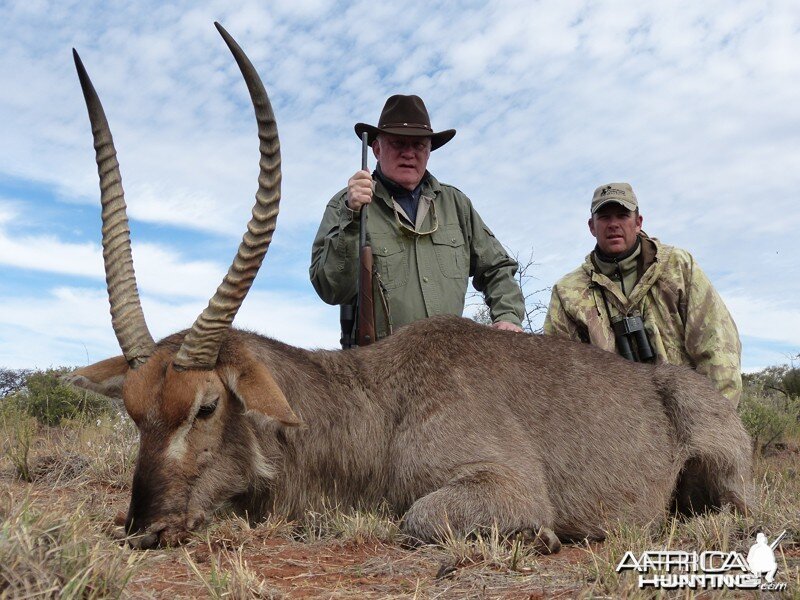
<point>506,326</point>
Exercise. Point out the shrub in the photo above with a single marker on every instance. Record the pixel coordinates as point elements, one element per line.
<point>770,407</point>
<point>783,380</point>
<point>18,430</point>
<point>12,380</point>
<point>769,420</point>
<point>50,401</point>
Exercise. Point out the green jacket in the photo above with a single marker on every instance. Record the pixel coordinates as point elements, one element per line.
<point>421,275</point>
<point>685,318</point>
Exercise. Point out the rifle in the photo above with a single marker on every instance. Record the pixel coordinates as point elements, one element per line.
<point>357,319</point>
<point>365,322</point>
<point>777,540</point>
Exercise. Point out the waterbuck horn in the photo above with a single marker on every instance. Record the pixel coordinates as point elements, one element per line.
<point>127,317</point>
<point>201,345</point>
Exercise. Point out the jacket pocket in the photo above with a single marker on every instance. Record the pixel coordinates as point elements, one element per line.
<point>391,260</point>
<point>451,251</point>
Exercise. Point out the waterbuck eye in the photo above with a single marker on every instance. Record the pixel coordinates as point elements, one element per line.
<point>206,410</point>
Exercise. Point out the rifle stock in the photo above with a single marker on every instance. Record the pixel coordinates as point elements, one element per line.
<point>366,303</point>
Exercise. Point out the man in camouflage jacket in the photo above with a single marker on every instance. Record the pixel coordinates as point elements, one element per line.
<point>629,274</point>
<point>426,237</point>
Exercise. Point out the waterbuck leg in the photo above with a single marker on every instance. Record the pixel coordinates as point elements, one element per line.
<point>710,481</point>
<point>481,496</point>
<point>717,466</point>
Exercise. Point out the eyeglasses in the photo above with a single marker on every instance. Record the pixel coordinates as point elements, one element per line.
<point>418,146</point>
<point>413,233</point>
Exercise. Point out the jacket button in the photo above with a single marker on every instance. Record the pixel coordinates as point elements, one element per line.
<point>383,249</point>
<point>425,279</point>
<point>453,240</point>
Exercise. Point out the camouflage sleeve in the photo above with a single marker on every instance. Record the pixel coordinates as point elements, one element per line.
<point>493,273</point>
<point>557,321</point>
<point>711,338</point>
<point>334,253</point>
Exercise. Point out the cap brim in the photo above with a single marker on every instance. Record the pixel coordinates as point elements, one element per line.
<point>624,203</point>
<point>438,139</point>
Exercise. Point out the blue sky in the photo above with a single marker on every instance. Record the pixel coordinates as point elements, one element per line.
<point>695,104</point>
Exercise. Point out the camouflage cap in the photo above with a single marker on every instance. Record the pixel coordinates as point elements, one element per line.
<point>621,193</point>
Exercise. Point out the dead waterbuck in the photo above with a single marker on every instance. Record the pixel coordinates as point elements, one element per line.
<point>454,425</point>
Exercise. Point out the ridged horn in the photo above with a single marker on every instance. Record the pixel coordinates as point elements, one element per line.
<point>201,345</point>
<point>127,317</point>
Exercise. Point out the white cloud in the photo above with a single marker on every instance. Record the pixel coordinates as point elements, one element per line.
<point>73,325</point>
<point>160,270</point>
<point>46,253</point>
<point>759,318</point>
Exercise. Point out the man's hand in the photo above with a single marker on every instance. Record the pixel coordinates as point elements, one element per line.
<point>359,190</point>
<point>506,326</point>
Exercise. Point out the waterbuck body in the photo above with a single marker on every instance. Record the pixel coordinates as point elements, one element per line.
<point>453,425</point>
<point>546,433</point>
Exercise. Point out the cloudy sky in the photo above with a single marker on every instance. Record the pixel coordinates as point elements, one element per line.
<point>695,103</point>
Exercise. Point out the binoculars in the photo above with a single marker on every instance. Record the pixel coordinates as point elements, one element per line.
<point>631,337</point>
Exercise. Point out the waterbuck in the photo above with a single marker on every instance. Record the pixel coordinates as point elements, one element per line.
<point>453,425</point>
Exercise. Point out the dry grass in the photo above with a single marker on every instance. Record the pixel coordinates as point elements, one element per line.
<point>229,576</point>
<point>353,525</point>
<point>62,487</point>
<point>45,551</point>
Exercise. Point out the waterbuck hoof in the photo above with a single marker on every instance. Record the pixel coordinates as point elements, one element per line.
<point>173,537</point>
<point>544,541</point>
<point>143,541</point>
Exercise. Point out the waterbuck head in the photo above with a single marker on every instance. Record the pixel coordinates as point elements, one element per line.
<point>188,399</point>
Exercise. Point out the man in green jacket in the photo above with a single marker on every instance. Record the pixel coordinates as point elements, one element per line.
<point>426,237</point>
<point>633,287</point>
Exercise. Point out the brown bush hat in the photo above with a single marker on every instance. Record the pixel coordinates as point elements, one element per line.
<point>621,193</point>
<point>405,115</point>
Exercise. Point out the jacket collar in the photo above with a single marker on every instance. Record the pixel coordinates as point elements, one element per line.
<point>654,258</point>
<point>430,189</point>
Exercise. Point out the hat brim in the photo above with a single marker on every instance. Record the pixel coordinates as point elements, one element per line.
<point>632,206</point>
<point>438,139</point>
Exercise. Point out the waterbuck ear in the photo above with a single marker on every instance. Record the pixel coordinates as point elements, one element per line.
<point>258,391</point>
<point>105,377</point>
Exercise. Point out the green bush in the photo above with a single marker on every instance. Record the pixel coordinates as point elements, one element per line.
<point>12,380</point>
<point>50,401</point>
<point>770,407</point>
<point>782,380</point>
<point>769,420</point>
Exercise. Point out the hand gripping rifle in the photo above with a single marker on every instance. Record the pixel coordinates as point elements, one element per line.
<point>358,321</point>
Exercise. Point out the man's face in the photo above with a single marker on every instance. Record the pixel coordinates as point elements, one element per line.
<point>615,228</point>
<point>403,158</point>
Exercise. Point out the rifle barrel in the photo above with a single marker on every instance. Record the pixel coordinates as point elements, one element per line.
<point>777,540</point>
<point>362,234</point>
<point>365,323</point>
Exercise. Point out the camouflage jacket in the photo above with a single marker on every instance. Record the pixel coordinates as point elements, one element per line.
<point>685,318</point>
<point>421,275</point>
